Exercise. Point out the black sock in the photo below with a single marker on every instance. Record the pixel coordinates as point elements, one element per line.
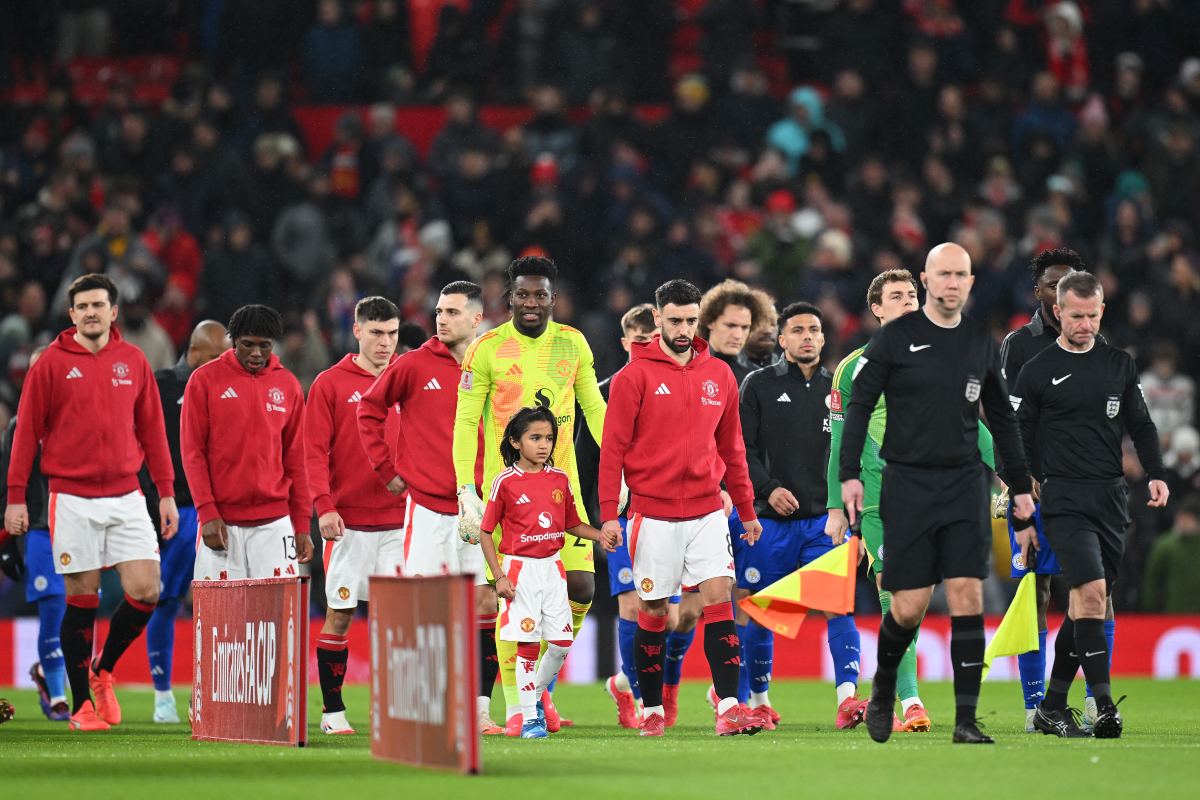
<point>967,644</point>
<point>331,667</point>
<point>128,622</point>
<point>894,640</point>
<point>649,656</point>
<point>723,648</point>
<point>1091,648</point>
<point>1066,664</point>
<point>490,662</point>
<point>75,637</point>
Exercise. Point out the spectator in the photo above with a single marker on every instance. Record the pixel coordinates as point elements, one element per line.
<point>179,253</point>
<point>643,30</point>
<point>729,27</point>
<point>343,159</point>
<point>1171,584</point>
<point>688,133</point>
<point>125,259</point>
<point>472,194</point>
<point>1045,113</point>
<point>333,56</point>
<point>482,255</point>
<point>26,321</point>
<point>83,29</point>
<point>748,110</point>
<point>913,104</point>
<point>524,49</point>
<point>462,129</point>
<point>301,240</point>
<point>1066,50</point>
<point>454,59</point>
<point>939,20</point>
<point>1170,395</point>
<point>222,173</point>
<point>779,250</point>
<point>1174,173</point>
<point>861,35</point>
<point>832,271</point>
<point>274,187</point>
<point>268,115</point>
<point>854,112</point>
<point>806,114</point>
<point>140,329</point>
<point>394,248</point>
<point>302,351</point>
<point>387,48</point>
<point>1182,460</point>
<point>588,53</point>
<point>383,140</point>
<point>237,273</point>
<point>550,131</point>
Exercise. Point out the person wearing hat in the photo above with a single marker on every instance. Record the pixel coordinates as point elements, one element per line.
<point>806,114</point>
<point>780,251</point>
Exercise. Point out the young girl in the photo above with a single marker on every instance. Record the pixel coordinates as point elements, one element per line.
<point>534,507</point>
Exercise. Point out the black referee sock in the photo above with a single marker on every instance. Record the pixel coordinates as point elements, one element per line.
<point>1091,648</point>
<point>967,645</point>
<point>128,622</point>
<point>894,640</point>
<point>75,636</point>
<point>650,656</point>
<point>1066,664</point>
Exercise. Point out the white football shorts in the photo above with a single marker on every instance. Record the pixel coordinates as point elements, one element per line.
<point>358,555</point>
<point>89,533</point>
<point>432,546</point>
<point>670,555</point>
<point>258,551</point>
<point>540,610</point>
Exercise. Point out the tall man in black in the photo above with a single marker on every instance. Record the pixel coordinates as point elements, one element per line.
<point>1072,399</point>
<point>935,366</point>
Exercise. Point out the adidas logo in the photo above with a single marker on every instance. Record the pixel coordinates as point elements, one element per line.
<point>229,393</point>
<point>522,500</point>
<point>662,389</point>
<point>433,384</point>
<point>74,373</point>
<point>514,372</point>
<point>783,398</point>
<point>567,629</point>
<point>354,398</point>
<point>528,688</point>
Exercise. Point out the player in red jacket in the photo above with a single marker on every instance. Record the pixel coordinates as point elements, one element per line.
<point>361,519</point>
<point>93,404</point>
<point>673,430</point>
<point>423,384</point>
<point>242,440</point>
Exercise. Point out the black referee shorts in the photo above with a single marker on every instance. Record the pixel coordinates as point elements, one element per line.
<point>1085,524</point>
<point>936,525</point>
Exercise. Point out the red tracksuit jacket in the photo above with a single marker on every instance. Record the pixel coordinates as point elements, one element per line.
<point>97,418</point>
<point>424,383</point>
<point>676,433</point>
<point>339,472</point>
<point>242,438</point>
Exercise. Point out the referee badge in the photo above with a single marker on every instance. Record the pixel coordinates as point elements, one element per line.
<point>1114,406</point>
<point>974,385</point>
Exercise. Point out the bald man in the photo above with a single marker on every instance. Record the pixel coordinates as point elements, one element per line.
<point>935,367</point>
<point>178,554</point>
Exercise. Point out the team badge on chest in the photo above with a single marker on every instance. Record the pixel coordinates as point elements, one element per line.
<point>1113,406</point>
<point>974,385</point>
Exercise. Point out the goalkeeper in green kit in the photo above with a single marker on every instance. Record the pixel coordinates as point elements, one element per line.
<point>892,294</point>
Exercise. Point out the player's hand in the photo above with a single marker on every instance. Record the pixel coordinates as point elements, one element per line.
<point>396,486</point>
<point>611,532</point>
<point>168,516</point>
<point>852,498</point>
<point>783,501</point>
<point>506,588</point>
<point>753,531</point>
<point>214,534</point>
<point>304,547</point>
<point>727,502</point>
<point>470,514</point>
<point>1022,506</point>
<point>1036,494</point>
<point>836,525</point>
<point>16,518</point>
<point>1158,494</point>
<point>332,527</point>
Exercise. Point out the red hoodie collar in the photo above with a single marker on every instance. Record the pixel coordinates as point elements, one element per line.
<point>439,349</point>
<point>66,340</point>
<point>652,351</point>
<point>229,357</point>
<point>350,365</point>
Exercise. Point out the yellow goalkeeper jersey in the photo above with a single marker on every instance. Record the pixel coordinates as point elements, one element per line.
<point>503,371</point>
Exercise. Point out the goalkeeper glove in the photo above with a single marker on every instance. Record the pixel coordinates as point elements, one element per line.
<point>470,514</point>
<point>623,498</point>
<point>1000,505</point>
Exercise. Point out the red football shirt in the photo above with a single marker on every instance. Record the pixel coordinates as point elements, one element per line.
<point>533,510</point>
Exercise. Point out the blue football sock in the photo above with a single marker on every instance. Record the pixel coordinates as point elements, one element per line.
<point>677,647</point>
<point>1032,667</point>
<point>550,688</point>
<point>160,642</point>
<point>626,629</point>
<point>1110,633</point>
<point>50,616</point>
<point>844,649</point>
<point>744,672</point>
<point>760,654</point>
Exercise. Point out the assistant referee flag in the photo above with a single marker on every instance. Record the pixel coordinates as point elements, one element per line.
<point>826,584</point>
<point>1018,631</point>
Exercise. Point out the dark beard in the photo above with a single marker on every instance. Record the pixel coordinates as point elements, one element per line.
<point>674,348</point>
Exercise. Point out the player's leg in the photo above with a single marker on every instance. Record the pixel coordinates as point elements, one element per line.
<point>656,551</point>
<point>348,562</point>
<point>557,632</point>
<point>486,613</point>
<point>1032,665</point>
<point>45,587</point>
<point>623,687</point>
<point>267,551</point>
<point>916,718</point>
<point>76,542</point>
<point>178,563</point>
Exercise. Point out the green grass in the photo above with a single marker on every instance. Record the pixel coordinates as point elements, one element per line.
<point>1159,755</point>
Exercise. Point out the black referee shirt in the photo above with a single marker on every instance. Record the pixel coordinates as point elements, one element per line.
<point>785,424</point>
<point>934,379</point>
<point>1073,404</point>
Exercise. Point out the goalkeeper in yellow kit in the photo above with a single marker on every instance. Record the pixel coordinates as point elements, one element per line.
<point>527,361</point>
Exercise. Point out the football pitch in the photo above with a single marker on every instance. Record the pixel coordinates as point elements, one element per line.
<point>806,757</point>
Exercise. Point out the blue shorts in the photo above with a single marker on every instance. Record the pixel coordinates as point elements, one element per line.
<point>178,556</point>
<point>1047,562</point>
<point>620,566</point>
<point>783,548</point>
<point>40,578</point>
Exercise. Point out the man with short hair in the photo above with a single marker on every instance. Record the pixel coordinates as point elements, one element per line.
<point>242,437</point>
<point>417,458</point>
<point>673,433</point>
<point>92,404</point>
<point>1076,400</point>
<point>361,521</point>
<point>785,425</point>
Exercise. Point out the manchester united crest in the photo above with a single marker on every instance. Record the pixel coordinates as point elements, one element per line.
<point>344,593</point>
<point>557,495</point>
<point>277,396</point>
<point>121,370</point>
<point>527,625</point>
<point>647,585</point>
<point>710,388</point>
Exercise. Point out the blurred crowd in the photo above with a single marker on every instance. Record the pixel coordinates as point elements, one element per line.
<point>800,146</point>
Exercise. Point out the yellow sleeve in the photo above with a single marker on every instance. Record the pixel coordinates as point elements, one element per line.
<point>473,388</point>
<point>587,391</point>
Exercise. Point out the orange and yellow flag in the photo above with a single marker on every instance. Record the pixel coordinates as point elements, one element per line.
<point>826,584</point>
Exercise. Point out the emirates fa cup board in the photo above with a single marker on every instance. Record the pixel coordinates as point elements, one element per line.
<point>424,672</point>
<point>250,677</point>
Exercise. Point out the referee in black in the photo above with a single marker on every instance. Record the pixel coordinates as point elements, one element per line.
<point>1073,399</point>
<point>935,367</point>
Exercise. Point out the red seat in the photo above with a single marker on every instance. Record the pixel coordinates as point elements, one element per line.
<point>156,69</point>
<point>94,70</point>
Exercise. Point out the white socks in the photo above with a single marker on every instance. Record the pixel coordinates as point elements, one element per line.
<point>845,690</point>
<point>725,704</point>
<point>622,682</point>
<point>552,661</point>
<point>648,710</point>
<point>905,705</point>
<point>482,705</point>
<point>759,699</point>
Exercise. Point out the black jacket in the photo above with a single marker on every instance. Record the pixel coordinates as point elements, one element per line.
<point>785,424</point>
<point>587,459</point>
<point>740,365</point>
<point>171,383</point>
<point>37,496</point>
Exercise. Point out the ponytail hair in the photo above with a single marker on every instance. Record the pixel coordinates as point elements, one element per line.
<point>518,423</point>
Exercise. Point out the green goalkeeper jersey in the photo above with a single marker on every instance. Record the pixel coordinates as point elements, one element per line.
<point>872,462</point>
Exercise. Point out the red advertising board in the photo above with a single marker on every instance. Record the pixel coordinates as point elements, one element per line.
<point>250,665</point>
<point>424,671</point>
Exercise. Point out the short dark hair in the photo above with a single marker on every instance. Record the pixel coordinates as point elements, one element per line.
<point>875,290</point>
<point>678,292</point>
<point>90,282</point>
<point>255,320</point>
<point>471,291</point>
<point>1084,284</point>
<point>536,266</point>
<point>518,423</point>
<point>411,335</point>
<point>796,309</point>
<point>639,318</point>
<point>375,309</point>
<point>1055,257</point>
<point>732,293</point>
